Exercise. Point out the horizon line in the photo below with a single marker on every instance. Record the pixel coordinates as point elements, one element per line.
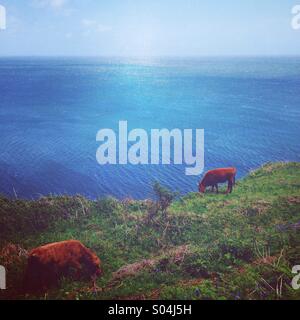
<point>152,56</point>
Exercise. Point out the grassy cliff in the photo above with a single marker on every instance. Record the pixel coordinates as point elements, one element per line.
<point>238,246</point>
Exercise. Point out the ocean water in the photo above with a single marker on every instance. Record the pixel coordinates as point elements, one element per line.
<point>51,110</point>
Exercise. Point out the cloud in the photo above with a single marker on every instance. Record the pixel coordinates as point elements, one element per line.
<point>88,23</point>
<point>69,35</point>
<point>93,26</point>
<point>55,4</point>
<point>59,6</point>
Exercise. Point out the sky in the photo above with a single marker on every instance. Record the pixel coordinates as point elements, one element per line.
<point>149,28</point>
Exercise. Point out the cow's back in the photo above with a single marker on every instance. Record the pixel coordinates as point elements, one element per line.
<point>219,175</point>
<point>59,253</point>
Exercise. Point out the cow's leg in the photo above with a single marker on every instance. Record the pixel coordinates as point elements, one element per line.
<point>232,184</point>
<point>213,189</point>
<point>95,288</point>
<point>217,188</point>
<point>229,189</point>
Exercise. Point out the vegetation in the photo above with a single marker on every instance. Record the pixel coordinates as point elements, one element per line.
<point>237,246</point>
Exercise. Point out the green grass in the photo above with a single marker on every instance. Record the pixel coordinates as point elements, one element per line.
<point>237,246</point>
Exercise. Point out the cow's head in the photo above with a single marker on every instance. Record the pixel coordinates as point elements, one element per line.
<point>94,265</point>
<point>202,188</point>
<point>99,271</point>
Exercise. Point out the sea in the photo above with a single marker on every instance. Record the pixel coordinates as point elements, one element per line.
<point>52,108</point>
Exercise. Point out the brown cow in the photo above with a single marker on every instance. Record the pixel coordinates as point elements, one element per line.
<point>47,265</point>
<point>214,177</point>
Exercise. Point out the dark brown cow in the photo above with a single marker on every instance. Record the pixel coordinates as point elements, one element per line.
<point>214,177</point>
<point>47,265</point>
